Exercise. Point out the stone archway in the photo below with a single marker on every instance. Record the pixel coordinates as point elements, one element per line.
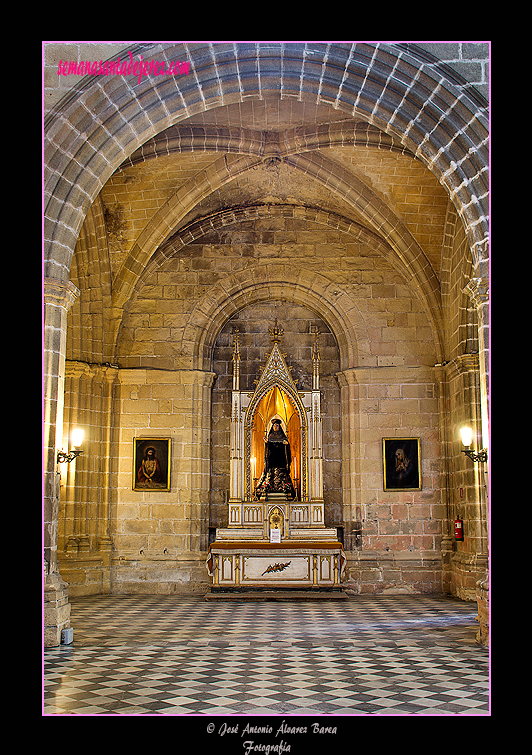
<point>401,92</point>
<point>276,282</point>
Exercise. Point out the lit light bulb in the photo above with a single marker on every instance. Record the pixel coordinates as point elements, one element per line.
<point>467,436</point>
<point>77,437</point>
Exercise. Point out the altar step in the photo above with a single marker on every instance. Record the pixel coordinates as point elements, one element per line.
<point>282,497</point>
<point>276,595</point>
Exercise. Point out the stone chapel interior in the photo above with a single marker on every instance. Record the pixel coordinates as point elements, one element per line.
<point>294,231</point>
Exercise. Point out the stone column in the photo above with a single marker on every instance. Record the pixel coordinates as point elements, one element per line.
<point>58,298</point>
<point>350,433</point>
<point>105,543</point>
<point>478,291</point>
<point>447,445</point>
<point>84,536</point>
<point>198,429</point>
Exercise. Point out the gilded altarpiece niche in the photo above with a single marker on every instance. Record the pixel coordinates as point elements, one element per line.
<point>276,404</point>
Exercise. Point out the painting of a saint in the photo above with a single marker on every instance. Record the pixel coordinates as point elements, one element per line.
<point>151,464</point>
<point>402,470</point>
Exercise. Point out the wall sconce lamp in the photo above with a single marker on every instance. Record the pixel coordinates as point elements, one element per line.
<point>77,440</point>
<point>467,436</point>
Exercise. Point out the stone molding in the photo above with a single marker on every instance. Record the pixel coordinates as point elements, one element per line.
<point>478,291</point>
<point>139,376</point>
<point>59,293</point>
<point>461,365</point>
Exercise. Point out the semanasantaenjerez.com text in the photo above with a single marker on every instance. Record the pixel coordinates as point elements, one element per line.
<point>138,68</point>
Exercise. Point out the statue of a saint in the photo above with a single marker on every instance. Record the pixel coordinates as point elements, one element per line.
<point>277,461</point>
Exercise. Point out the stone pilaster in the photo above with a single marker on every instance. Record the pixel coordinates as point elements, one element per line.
<point>58,298</point>
<point>483,597</point>
<point>478,291</point>
<point>350,442</point>
<point>198,428</point>
<point>84,541</point>
<point>446,440</point>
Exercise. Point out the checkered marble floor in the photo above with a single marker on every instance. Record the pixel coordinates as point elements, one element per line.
<point>393,655</point>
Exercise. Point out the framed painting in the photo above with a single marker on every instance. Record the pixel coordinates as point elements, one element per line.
<point>151,464</point>
<point>401,463</point>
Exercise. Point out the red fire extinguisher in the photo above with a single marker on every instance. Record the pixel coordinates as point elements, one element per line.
<point>458,528</point>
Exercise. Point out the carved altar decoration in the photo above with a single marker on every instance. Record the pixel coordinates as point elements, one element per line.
<point>276,535</point>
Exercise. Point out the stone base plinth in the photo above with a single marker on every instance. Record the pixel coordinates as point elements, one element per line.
<point>56,610</point>
<point>483,611</point>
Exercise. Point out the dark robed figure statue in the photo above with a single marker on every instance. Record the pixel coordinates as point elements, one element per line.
<point>277,461</point>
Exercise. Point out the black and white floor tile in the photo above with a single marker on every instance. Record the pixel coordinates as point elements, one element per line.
<point>161,655</point>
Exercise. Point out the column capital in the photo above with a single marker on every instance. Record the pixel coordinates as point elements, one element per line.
<point>76,369</point>
<point>347,377</point>
<point>478,291</point>
<point>59,293</point>
<point>460,365</point>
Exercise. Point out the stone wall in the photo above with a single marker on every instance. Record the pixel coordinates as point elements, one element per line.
<point>394,538</point>
<point>160,538</point>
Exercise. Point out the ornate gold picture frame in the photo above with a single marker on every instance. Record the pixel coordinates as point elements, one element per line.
<point>151,464</point>
<point>401,459</point>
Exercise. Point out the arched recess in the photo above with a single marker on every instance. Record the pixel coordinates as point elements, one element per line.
<point>316,286</point>
<point>403,91</point>
<point>408,257</point>
<point>275,282</point>
<point>251,324</point>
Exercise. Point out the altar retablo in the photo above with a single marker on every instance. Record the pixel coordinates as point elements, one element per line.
<point>276,535</point>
